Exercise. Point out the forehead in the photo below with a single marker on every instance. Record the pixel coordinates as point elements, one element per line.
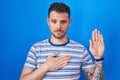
<point>56,15</point>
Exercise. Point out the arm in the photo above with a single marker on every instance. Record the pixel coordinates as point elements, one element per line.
<point>97,73</point>
<point>97,49</point>
<point>28,74</point>
<point>38,74</point>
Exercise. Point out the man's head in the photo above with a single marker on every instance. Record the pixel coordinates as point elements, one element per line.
<point>60,8</point>
<point>59,19</point>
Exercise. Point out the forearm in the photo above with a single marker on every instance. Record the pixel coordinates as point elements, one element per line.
<point>99,72</point>
<point>38,74</point>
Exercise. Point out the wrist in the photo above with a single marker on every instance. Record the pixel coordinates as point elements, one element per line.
<point>45,68</point>
<point>99,59</point>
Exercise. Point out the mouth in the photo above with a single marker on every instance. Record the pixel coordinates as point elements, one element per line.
<point>59,31</point>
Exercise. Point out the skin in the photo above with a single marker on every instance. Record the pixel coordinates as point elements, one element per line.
<point>59,23</point>
<point>97,50</point>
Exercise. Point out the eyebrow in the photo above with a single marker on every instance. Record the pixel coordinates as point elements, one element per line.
<point>61,20</point>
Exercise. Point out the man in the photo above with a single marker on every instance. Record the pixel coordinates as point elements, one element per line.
<point>59,58</point>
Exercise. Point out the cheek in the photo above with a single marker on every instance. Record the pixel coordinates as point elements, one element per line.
<point>52,28</point>
<point>66,27</point>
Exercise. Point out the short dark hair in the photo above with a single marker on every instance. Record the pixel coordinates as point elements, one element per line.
<point>59,7</point>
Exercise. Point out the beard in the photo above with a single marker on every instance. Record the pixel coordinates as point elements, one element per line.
<point>59,34</point>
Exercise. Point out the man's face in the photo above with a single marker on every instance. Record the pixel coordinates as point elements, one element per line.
<point>59,23</point>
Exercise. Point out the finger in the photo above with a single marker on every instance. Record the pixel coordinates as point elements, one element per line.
<point>91,43</point>
<point>63,58</point>
<point>99,36</point>
<point>54,54</point>
<point>64,62</point>
<point>61,65</point>
<point>96,35</point>
<point>67,59</point>
<point>101,39</point>
<point>93,36</point>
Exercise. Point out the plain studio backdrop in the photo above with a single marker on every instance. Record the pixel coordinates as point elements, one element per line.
<point>23,22</point>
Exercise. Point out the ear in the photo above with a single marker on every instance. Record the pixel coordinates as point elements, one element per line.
<point>48,21</point>
<point>70,21</point>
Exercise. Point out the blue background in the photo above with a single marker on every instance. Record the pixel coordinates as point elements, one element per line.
<point>23,22</point>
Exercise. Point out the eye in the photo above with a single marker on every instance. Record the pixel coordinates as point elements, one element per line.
<point>53,21</point>
<point>63,22</point>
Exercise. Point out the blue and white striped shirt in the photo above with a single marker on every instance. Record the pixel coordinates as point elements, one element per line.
<point>79,59</point>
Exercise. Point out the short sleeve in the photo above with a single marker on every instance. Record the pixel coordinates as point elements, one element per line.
<point>31,59</point>
<point>87,63</point>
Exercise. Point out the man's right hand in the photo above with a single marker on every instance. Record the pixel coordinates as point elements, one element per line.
<point>54,63</point>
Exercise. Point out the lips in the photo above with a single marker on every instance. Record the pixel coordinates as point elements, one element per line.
<point>59,31</point>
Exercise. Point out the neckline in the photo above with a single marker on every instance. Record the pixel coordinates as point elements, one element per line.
<point>59,44</point>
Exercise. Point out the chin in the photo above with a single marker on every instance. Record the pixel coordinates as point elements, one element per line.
<point>59,37</point>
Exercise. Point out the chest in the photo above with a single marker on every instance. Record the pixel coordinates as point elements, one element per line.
<point>76,55</point>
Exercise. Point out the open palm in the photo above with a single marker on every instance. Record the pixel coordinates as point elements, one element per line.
<point>97,44</point>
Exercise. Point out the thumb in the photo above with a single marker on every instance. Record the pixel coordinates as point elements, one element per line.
<point>91,44</point>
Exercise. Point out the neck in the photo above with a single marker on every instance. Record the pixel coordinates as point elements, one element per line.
<point>58,41</point>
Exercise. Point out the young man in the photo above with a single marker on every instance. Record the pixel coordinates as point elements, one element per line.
<point>59,58</point>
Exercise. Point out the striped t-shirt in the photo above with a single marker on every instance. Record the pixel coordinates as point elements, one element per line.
<point>80,58</point>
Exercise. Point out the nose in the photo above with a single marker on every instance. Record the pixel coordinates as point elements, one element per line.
<point>59,26</point>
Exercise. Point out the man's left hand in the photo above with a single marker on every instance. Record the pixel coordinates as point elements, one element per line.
<point>97,44</point>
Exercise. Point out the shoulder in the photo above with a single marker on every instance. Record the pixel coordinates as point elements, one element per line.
<point>43,42</point>
<point>77,45</point>
<point>72,42</point>
<point>39,44</point>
